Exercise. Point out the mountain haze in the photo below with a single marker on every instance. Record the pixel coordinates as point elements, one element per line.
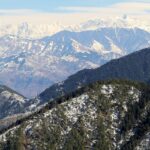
<point>30,66</point>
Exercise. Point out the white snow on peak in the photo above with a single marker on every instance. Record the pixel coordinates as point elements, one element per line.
<point>114,47</point>
<point>34,31</point>
<point>79,47</point>
<point>98,47</point>
<point>115,22</point>
<point>6,94</point>
<point>12,96</point>
<point>30,30</point>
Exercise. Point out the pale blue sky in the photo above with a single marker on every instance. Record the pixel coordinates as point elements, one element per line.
<point>68,12</point>
<point>54,5</point>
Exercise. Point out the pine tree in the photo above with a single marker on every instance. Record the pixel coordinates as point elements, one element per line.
<point>102,142</point>
<point>77,137</point>
<point>20,139</point>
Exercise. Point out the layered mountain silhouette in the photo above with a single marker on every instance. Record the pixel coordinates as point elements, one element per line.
<point>91,109</point>
<point>135,66</point>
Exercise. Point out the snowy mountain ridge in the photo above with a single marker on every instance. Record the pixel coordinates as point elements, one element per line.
<point>30,30</point>
<point>37,64</point>
<point>35,31</point>
<point>118,22</point>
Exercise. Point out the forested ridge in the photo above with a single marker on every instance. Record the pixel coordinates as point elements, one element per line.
<point>102,115</point>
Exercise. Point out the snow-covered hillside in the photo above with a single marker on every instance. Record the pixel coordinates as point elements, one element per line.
<point>30,66</point>
<point>108,115</point>
<point>10,102</point>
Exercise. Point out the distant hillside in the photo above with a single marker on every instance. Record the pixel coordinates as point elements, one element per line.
<point>135,66</point>
<point>11,102</point>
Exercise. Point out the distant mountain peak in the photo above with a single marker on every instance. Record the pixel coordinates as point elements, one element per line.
<point>27,64</point>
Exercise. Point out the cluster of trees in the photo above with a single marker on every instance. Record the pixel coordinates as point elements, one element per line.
<point>136,118</point>
<point>135,110</point>
<point>102,142</point>
<point>77,137</point>
<point>140,131</point>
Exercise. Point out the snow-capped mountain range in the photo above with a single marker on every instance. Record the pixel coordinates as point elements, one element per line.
<point>119,22</point>
<point>29,66</point>
<point>30,30</point>
<point>34,31</point>
<point>29,62</point>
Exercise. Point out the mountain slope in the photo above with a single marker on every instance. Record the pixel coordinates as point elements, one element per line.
<point>10,102</point>
<point>135,66</point>
<point>104,115</point>
<point>132,67</point>
<point>37,64</point>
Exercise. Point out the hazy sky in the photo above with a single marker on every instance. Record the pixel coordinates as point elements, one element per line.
<point>69,11</point>
<point>54,5</point>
